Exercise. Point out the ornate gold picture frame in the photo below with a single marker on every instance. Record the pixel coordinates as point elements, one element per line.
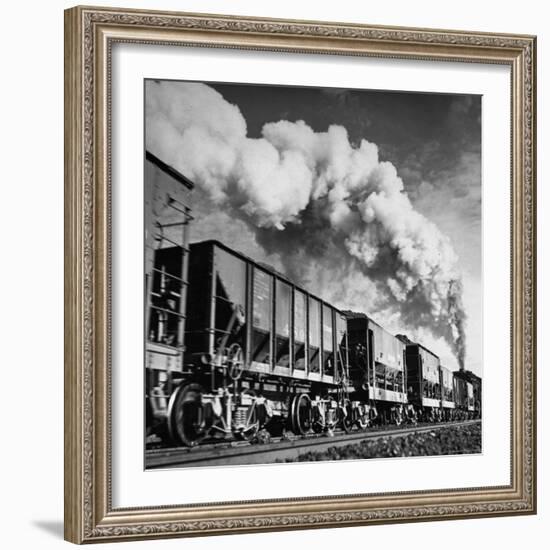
<point>90,35</point>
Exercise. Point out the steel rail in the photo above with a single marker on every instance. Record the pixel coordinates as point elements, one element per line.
<point>239,453</point>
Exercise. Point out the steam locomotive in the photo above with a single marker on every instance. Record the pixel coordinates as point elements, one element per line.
<point>235,349</point>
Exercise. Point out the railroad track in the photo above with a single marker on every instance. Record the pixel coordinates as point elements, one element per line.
<point>240,453</point>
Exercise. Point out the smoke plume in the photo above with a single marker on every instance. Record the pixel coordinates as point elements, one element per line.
<point>335,214</point>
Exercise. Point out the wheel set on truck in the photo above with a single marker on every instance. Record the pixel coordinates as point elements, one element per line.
<point>195,415</point>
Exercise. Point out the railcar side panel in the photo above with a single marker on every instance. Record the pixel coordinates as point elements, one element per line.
<point>282,330</point>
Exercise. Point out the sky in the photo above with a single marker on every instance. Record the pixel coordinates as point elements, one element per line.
<point>370,199</point>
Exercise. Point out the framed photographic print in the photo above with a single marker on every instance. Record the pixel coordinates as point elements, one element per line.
<point>300,282</point>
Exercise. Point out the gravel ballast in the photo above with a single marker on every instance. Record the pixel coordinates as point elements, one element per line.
<point>443,441</point>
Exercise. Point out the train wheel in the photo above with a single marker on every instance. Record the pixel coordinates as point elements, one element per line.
<point>187,423</point>
<point>300,414</point>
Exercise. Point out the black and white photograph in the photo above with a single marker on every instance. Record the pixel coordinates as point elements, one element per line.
<point>313,274</point>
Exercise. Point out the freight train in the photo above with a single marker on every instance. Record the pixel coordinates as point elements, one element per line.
<point>235,349</point>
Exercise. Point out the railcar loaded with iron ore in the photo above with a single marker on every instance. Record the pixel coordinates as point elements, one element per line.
<point>423,382</point>
<point>468,385</point>
<point>464,396</point>
<point>377,370</point>
<point>261,352</point>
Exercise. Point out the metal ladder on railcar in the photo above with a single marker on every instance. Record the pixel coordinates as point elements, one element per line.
<point>171,284</point>
<point>163,288</point>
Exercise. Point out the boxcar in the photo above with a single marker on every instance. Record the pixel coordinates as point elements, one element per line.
<point>423,381</point>
<point>377,368</point>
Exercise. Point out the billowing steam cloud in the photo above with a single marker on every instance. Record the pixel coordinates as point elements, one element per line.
<point>337,216</point>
